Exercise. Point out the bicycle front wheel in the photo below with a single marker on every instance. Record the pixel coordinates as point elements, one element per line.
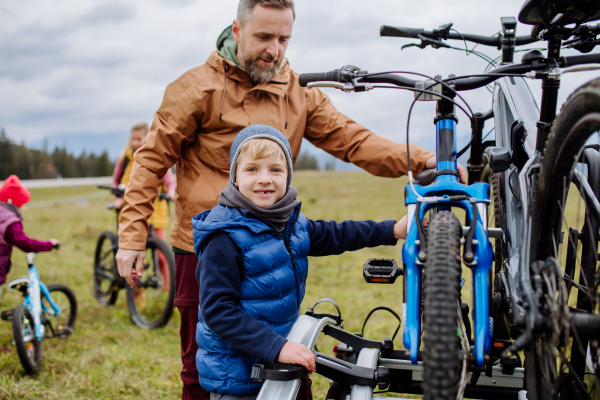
<point>61,325</point>
<point>442,363</point>
<point>106,273</point>
<point>150,303</point>
<point>564,247</point>
<point>28,348</point>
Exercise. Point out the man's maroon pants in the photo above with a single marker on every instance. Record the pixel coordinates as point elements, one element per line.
<point>187,294</point>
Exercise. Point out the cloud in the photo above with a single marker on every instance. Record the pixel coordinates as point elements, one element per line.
<point>97,67</point>
<point>108,13</point>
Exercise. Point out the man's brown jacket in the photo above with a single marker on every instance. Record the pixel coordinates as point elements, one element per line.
<point>194,128</point>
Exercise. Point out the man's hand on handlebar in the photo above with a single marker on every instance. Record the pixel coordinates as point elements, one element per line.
<point>131,265</point>
<point>430,164</point>
<point>55,243</point>
<point>295,353</point>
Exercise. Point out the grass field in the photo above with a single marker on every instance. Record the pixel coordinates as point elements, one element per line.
<point>108,357</point>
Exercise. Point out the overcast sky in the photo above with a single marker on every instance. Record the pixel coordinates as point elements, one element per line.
<point>101,66</point>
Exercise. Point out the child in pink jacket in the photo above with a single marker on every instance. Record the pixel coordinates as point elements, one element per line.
<point>13,196</point>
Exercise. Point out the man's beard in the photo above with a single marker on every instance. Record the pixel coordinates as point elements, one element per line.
<point>258,73</point>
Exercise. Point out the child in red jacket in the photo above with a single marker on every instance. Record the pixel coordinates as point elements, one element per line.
<point>13,196</point>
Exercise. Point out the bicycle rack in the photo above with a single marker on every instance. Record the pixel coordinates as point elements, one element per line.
<point>371,369</point>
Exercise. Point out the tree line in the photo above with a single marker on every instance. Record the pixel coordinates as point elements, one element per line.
<point>17,159</point>
<point>26,163</point>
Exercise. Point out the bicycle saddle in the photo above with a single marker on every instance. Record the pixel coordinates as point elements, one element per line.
<point>559,12</point>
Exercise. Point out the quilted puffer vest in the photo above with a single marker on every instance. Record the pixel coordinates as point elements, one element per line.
<point>272,290</point>
<point>8,216</point>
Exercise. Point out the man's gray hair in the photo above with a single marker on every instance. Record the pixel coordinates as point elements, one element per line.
<point>246,7</point>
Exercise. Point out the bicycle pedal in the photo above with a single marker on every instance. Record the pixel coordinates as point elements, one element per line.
<point>64,332</point>
<point>6,315</point>
<point>381,270</point>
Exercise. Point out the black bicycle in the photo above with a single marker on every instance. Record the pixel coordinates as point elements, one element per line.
<point>150,303</point>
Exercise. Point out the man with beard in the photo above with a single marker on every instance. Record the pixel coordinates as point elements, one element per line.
<point>246,81</point>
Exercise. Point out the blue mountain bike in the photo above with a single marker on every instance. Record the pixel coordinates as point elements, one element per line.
<point>47,312</point>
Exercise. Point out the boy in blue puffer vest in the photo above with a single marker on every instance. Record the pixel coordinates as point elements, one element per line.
<point>252,268</point>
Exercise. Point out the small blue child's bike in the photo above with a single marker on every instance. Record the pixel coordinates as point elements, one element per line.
<point>47,312</point>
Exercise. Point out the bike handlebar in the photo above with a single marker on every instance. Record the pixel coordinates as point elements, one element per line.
<point>114,190</point>
<point>121,192</point>
<point>460,84</point>
<point>496,41</point>
<point>583,59</point>
<point>164,196</point>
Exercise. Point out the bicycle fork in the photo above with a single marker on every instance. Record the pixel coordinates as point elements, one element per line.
<point>444,194</point>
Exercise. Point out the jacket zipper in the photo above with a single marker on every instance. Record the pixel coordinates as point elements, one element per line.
<point>289,249</point>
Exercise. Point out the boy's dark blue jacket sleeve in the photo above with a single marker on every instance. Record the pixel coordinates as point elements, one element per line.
<point>331,238</point>
<point>220,273</point>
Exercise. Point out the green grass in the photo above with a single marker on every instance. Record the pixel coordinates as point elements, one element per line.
<point>108,357</point>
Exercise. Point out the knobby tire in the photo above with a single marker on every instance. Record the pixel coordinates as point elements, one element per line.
<point>28,348</point>
<point>442,360</point>
<point>105,289</point>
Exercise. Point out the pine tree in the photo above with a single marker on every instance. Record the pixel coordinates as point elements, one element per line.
<point>64,163</point>
<point>103,165</point>
<point>306,161</point>
<point>6,156</point>
<point>22,165</point>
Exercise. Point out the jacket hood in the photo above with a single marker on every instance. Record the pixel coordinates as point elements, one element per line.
<point>227,46</point>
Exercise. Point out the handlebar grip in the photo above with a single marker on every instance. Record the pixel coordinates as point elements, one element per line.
<point>398,31</point>
<point>56,246</point>
<point>333,76</point>
<point>105,187</point>
<point>425,177</point>
<point>583,59</point>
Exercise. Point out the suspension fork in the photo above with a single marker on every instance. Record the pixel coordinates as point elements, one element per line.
<point>413,280</point>
<point>446,181</point>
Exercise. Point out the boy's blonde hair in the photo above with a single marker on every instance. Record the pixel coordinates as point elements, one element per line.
<point>262,148</point>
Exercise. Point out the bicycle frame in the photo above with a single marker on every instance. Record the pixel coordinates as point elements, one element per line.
<point>36,290</point>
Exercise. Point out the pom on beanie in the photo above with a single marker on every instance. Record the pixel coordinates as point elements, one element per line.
<point>13,191</point>
<point>260,132</point>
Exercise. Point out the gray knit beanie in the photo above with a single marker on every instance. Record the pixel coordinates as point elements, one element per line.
<point>260,132</point>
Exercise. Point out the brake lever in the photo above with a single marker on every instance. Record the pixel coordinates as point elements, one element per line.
<point>412,45</point>
<point>425,41</point>
<point>345,86</point>
<point>436,44</point>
